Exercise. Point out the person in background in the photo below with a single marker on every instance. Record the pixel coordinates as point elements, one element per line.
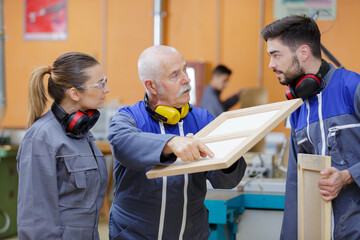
<point>211,96</point>
<point>62,173</point>
<point>328,122</point>
<point>156,131</point>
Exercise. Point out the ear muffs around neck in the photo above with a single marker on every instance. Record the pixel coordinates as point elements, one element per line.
<point>309,84</point>
<point>166,114</point>
<point>76,123</point>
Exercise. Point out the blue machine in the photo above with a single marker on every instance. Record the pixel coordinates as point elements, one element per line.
<point>225,205</point>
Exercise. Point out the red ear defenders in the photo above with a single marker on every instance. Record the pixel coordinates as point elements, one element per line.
<point>166,114</point>
<point>76,123</point>
<point>309,84</point>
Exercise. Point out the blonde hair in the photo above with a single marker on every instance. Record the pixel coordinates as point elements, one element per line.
<point>37,96</point>
<point>67,71</point>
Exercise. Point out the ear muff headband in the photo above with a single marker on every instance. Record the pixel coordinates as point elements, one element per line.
<point>309,84</point>
<point>77,123</point>
<point>165,114</point>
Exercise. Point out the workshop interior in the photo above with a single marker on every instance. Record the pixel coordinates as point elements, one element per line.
<point>207,33</point>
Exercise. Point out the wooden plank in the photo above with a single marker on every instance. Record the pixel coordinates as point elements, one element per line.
<point>314,214</point>
<point>238,125</point>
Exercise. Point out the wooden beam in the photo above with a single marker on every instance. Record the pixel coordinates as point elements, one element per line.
<point>314,214</point>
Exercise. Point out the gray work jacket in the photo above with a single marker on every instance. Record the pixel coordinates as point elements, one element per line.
<point>61,184</point>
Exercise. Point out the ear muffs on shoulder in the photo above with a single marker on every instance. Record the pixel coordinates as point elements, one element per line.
<point>76,123</point>
<point>308,85</point>
<point>165,114</point>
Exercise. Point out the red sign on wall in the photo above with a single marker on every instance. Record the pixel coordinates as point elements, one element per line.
<point>45,20</point>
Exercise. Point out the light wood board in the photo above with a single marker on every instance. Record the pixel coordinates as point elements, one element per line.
<point>252,97</point>
<point>230,136</point>
<point>314,214</point>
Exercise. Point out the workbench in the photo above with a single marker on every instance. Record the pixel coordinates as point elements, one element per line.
<point>225,206</point>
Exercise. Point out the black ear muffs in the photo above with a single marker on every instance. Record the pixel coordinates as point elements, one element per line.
<point>76,123</point>
<point>165,114</point>
<point>308,85</point>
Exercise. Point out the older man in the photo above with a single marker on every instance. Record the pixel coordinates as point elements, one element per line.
<point>154,132</point>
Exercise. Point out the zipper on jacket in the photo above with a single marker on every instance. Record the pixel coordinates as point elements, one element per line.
<point>321,121</point>
<point>332,130</point>
<point>308,124</point>
<point>96,160</point>
<point>332,133</point>
<point>163,196</point>
<point>186,182</point>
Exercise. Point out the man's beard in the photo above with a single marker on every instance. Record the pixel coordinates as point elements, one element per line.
<point>294,72</point>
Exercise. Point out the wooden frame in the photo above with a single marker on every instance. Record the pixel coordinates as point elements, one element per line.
<point>314,214</point>
<point>230,136</point>
<point>252,97</point>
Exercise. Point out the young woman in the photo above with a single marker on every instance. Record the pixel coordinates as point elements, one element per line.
<point>62,173</point>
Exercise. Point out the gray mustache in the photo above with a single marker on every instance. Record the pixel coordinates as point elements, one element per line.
<point>183,89</point>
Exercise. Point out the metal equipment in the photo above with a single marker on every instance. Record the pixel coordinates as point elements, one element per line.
<point>225,206</point>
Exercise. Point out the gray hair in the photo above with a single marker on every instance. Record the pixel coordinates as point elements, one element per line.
<point>150,64</point>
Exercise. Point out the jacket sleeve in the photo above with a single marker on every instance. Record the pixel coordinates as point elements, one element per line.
<point>231,101</point>
<point>135,149</point>
<point>38,199</point>
<point>355,169</point>
<point>227,178</point>
<point>289,224</point>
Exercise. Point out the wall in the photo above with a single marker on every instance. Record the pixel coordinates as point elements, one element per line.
<point>114,31</point>
<point>21,57</point>
<point>129,32</point>
<point>194,34</point>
